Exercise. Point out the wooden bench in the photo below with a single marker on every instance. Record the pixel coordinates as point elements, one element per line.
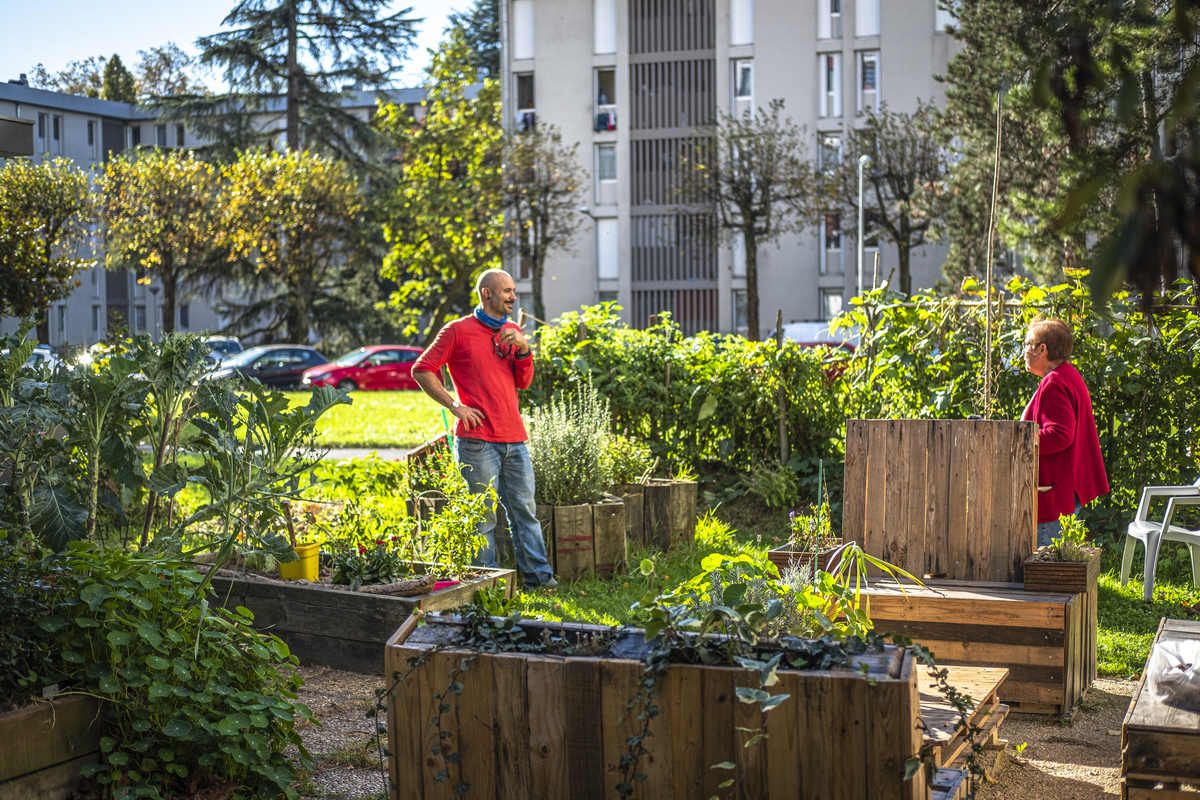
<point>1046,641</point>
<point>1160,744</point>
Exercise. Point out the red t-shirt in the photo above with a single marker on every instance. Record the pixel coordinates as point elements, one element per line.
<point>486,375</point>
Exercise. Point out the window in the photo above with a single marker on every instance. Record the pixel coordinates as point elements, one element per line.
<point>604,26</point>
<point>384,357</point>
<point>606,297</point>
<point>91,132</point>
<point>871,228</point>
<point>42,120</point>
<point>526,110</point>
<point>95,319</point>
<point>608,261</point>
<point>738,248</point>
<point>522,29</point>
<point>743,79</point>
<point>866,18</point>
<point>606,100</point>
<point>179,136</point>
<point>58,122</point>
<point>135,135</point>
<point>160,135</point>
<point>829,151</point>
<point>740,325</point>
<point>741,22</point>
<point>606,162</point>
<point>829,19</point>
<point>942,18</point>
<point>868,81</point>
<point>185,316</point>
<point>830,251</point>
<point>830,69</point>
<point>62,322</point>
<point>831,303</point>
<point>139,318</point>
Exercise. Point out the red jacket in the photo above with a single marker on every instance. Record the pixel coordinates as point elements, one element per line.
<point>1069,459</point>
<point>486,376</point>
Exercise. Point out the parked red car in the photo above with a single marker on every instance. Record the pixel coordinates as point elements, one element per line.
<point>380,366</point>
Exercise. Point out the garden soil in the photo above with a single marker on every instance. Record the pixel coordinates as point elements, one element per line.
<point>1076,761</point>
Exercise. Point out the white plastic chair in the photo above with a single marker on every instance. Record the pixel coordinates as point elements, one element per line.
<point>1152,533</point>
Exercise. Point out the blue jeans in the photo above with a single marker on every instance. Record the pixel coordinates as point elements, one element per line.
<point>508,468</point>
<point>1048,530</point>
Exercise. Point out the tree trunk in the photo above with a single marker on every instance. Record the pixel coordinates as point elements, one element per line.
<point>293,81</point>
<point>752,325</point>
<point>539,272</point>
<point>904,251</point>
<point>170,290</point>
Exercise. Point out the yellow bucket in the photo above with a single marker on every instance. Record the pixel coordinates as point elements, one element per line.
<point>305,568</point>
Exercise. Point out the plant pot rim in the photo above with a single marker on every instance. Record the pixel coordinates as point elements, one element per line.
<point>1036,557</point>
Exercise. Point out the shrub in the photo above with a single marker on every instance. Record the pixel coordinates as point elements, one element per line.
<point>568,439</point>
<point>626,460</point>
<point>29,658</point>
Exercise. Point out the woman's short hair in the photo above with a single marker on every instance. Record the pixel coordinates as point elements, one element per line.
<point>1056,335</point>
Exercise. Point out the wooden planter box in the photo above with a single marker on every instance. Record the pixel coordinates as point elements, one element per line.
<point>785,557</point>
<point>633,495</point>
<point>1160,744</point>
<point>951,499</point>
<point>1046,640</point>
<point>586,539</point>
<point>46,746</point>
<point>336,627</point>
<point>1075,577</point>
<point>670,513</point>
<point>535,725</point>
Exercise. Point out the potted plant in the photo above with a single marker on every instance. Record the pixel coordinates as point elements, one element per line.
<point>1070,563</point>
<point>301,537</point>
<point>811,543</point>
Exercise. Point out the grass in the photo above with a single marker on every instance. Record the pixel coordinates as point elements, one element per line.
<point>378,419</point>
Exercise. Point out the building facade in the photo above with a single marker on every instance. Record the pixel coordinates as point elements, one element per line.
<point>636,81</point>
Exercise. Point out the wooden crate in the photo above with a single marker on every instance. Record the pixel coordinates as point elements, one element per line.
<point>669,510</point>
<point>586,539</point>
<point>1160,744</point>
<point>46,746</point>
<point>338,628</point>
<point>533,725</point>
<point>1046,641</point>
<point>953,499</point>
<point>1075,577</point>
<point>945,733</point>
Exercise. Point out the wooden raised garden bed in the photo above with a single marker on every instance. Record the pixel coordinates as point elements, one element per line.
<point>1047,641</point>
<point>669,513</point>
<point>1073,577</point>
<point>586,539</point>
<point>46,746</point>
<point>1160,744</point>
<point>536,725</point>
<point>333,626</point>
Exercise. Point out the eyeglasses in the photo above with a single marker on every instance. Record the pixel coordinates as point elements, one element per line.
<point>1033,345</point>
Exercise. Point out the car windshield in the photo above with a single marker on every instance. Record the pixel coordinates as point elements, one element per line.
<point>224,346</point>
<point>243,358</point>
<point>353,358</point>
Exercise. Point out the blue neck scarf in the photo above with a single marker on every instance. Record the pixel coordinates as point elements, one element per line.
<point>491,322</point>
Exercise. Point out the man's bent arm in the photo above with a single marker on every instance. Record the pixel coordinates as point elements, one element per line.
<point>431,384</point>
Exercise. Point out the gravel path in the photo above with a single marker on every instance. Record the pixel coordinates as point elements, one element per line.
<point>1079,761</point>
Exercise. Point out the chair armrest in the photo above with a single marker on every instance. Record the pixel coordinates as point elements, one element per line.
<point>1175,503</point>
<point>1150,492</point>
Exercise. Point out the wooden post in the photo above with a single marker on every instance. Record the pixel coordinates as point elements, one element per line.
<point>784,449</point>
<point>574,541</point>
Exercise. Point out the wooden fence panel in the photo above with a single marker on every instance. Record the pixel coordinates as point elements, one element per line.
<point>955,499</point>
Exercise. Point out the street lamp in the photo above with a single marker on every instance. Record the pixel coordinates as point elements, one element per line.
<point>863,161</point>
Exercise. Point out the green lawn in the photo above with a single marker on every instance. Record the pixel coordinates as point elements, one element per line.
<point>378,419</point>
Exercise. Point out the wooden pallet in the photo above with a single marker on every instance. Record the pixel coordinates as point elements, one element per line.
<point>1160,744</point>
<point>1046,641</point>
<point>943,726</point>
<point>949,784</point>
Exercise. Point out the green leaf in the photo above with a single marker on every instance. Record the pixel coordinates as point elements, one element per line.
<point>178,728</point>
<point>118,638</point>
<point>94,594</point>
<point>150,634</point>
<point>157,663</point>
<point>109,685</point>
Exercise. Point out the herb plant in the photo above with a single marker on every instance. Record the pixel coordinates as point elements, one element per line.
<point>568,440</point>
<point>1072,543</point>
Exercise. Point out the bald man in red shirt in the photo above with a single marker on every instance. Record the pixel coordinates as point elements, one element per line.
<point>489,360</point>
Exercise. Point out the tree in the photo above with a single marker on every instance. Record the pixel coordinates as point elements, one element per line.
<point>481,24</point>
<point>904,183</point>
<point>444,215</point>
<point>118,82</point>
<point>45,215</point>
<point>159,209</point>
<point>163,71</point>
<point>305,52</point>
<point>83,77</point>
<point>1106,169</point>
<point>541,186</point>
<point>752,171</point>
<point>291,221</point>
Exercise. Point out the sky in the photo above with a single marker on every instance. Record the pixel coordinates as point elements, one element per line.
<point>54,32</point>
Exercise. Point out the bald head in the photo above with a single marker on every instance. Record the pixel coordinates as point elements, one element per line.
<point>492,280</point>
<point>497,292</point>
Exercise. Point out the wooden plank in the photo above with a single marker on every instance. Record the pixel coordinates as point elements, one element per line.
<point>583,749</point>
<point>608,528</point>
<point>682,513</point>
<point>1001,519</point>
<point>509,679</point>
<point>1001,611</point>
<point>787,734</point>
<point>897,527</point>
<point>875,518</point>
<point>751,761</point>
<point>849,706</point>
<point>959,651</point>
<point>681,700</point>
<point>477,729</point>
<point>404,717</point>
<point>618,685</point>
<point>938,561</point>
<point>958,529</point>
<point>656,502</point>
<point>854,481</point>
<point>943,631</point>
<point>979,492</point>
<point>434,679</point>
<point>888,727</point>
<point>547,728</point>
<point>717,732</point>
<point>545,518</point>
<point>48,733</point>
<point>573,542</point>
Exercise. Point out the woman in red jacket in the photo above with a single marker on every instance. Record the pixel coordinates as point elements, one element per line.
<point>1070,468</point>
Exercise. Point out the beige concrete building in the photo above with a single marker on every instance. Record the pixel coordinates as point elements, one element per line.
<point>631,80</point>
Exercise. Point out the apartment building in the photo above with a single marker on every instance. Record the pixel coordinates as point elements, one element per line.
<point>633,80</point>
<point>89,131</point>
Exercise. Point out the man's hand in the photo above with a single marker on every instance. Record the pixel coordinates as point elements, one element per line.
<point>471,417</point>
<point>514,337</point>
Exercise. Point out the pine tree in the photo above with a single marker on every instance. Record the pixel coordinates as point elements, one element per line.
<point>481,24</point>
<point>118,83</point>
